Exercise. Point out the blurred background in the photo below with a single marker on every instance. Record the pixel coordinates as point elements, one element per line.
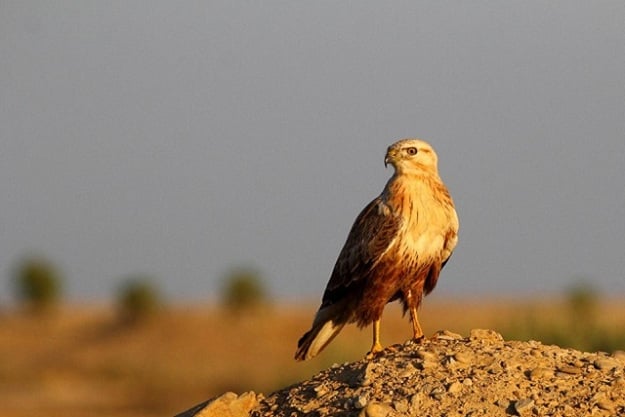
<point>178,178</point>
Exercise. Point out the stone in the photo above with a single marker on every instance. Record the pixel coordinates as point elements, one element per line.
<point>605,405</point>
<point>426,356</point>
<point>569,370</point>
<point>401,406</point>
<point>320,390</point>
<point>417,400</point>
<point>485,334</point>
<point>376,409</point>
<point>229,405</point>
<point>605,364</point>
<point>437,392</point>
<point>523,405</point>
<point>361,401</point>
<point>454,387</point>
<point>463,357</point>
<point>368,374</point>
<point>446,335</point>
<point>540,373</point>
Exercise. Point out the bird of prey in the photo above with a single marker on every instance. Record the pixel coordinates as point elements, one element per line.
<point>395,250</point>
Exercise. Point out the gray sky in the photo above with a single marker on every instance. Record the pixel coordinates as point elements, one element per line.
<point>179,139</point>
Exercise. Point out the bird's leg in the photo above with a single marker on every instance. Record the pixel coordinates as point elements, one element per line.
<point>416,327</point>
<point>376,346</point>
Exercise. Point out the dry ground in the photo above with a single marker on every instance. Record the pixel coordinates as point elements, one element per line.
<point>81,361</point>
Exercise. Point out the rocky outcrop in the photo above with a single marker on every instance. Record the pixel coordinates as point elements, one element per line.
<point>448,375</point>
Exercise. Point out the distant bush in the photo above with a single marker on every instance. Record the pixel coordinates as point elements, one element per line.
<point>38,283</point>
<point>583,301</point>
<point>138,299</point>
<point>243,289</point>
<point>577,325</point>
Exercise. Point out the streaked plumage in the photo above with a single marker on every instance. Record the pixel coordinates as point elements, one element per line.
<point>395,250</point>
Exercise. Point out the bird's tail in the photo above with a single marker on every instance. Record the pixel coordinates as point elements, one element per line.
<point>323,330</point>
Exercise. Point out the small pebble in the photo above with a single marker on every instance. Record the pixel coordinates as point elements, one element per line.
<point>503,403</point>
<point>361,401</point>
<point>605,405</point>
<point>375,409</point>
<point>368,375</point>
<point>485,334</point>
<point>447,335</point>
<point>605,364</point>
<point>408,371</point>
<point>320,390</point>
<point>571,370</point>
<point>401,406</point>
<point>437,393</point>
<point>426,356</point>
<point>454,387</point>
<point>540,373</point>
<point>524,404</point>
<point>417,400</point>
<point>462,357</point>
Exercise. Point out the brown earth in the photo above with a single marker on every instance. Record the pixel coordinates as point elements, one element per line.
<point>83,361</point>
<point>448,375</point>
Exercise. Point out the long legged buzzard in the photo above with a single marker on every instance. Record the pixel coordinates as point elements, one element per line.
<point>395,250</point>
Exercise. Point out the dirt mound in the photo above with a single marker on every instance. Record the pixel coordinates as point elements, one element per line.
<point>448,375</point>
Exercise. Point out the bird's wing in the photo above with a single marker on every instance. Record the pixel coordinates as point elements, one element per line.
<point>373,232</point>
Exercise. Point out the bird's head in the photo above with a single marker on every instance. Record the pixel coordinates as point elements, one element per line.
<point>411,155</point>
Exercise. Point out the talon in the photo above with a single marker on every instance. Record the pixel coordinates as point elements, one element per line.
<point>371,355</point>
<point>375,350</point>
<point>416,340</point>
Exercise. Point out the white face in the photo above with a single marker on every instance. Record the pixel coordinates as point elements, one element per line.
<point>411,154</point>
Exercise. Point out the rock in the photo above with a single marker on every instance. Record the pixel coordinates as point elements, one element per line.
<point>463,357</point>
<point>361,401</point>
<point>408,371</point>
<point>401,406</point>
<point>523,405</point>
<point>484,334</point>
<point>569,370</point>
<point>454,387</point>
<point>426,356</point>
<point>605,405</point>
<point>368,374</point>
<point>375,409</point>
<point>605,364</point>
<point>480,375</point>
<point>446,335</point>
<point>540,373</point>
<point>416,401</point>
<point>320,390</point>
<point>226,405</point>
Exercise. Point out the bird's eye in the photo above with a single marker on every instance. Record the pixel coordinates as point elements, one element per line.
<point>411,151</point>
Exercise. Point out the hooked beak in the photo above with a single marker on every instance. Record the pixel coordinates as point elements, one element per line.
<point>388,158</point>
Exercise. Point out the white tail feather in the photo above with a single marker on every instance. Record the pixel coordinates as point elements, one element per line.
<point>315,340</point>
<point>327,332</point>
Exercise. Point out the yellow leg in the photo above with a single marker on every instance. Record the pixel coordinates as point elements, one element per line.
<point>416,327</point>
<point>376,346</point>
